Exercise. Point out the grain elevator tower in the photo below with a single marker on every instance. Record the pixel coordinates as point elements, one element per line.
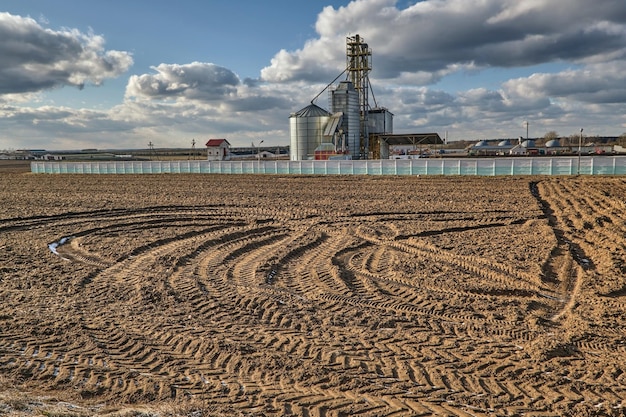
<point>359,65</point>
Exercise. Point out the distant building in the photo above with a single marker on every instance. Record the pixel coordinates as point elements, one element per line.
<point>529,147</point>
<point>554,147</point>
<point>53,157</point>
<point>218,150</point>
<point>484,148</point>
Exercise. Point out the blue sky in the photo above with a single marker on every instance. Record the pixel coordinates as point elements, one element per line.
<point>121,74</point>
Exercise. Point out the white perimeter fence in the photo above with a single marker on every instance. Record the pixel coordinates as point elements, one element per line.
<point>587,165</point>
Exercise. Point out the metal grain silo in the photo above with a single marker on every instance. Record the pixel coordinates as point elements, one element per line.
<point>345,99</point>
<point>307,130</point>
<point>380,121</point>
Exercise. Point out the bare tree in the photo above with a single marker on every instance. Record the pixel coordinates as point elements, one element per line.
<point>551,135</point>
<point>575,138</point>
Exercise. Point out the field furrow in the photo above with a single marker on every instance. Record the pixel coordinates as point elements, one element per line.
<point>315,296</point>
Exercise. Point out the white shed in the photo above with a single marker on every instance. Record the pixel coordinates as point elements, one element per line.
<point>218,150</point>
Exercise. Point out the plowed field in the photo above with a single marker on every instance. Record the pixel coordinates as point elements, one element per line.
<point>312,296</point>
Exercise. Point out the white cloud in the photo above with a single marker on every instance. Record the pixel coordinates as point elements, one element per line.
<point>36,59</point>
<point>440,35</point>
<point>595,83</point>
<point>200,81</point>
<point>43,19</point>
<point>424,43</point>
<point>415,51</point>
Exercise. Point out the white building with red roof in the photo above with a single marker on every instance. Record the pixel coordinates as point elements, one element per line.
<point>218,150</point>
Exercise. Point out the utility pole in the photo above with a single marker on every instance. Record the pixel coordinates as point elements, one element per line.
<point>580,145</point>
<point>151,147</point>
<point>526,123</point>
<point>258,152</point>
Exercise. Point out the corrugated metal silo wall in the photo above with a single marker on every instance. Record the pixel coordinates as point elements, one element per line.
<point>347,101</point>
<point>380,121</point>
<point>306,135</point>
<point>296,148</point>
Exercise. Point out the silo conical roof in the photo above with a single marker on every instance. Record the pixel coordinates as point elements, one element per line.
<point>312,110</point>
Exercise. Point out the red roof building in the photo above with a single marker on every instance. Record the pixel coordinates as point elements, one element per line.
<point>216,142</point>
<point>218,150</point>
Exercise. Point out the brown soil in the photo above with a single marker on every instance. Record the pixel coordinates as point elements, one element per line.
<point>14,166</point>
<point>312,296</point>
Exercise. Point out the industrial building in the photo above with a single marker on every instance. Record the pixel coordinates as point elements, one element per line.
<point>529,147</point>
<point>352,129</point>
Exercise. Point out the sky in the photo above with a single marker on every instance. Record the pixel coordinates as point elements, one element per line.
<point>123,74</point>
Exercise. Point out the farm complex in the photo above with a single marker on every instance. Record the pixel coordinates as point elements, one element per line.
<point>278,295</point>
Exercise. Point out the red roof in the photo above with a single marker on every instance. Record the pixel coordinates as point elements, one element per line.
<point>216,142</point>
